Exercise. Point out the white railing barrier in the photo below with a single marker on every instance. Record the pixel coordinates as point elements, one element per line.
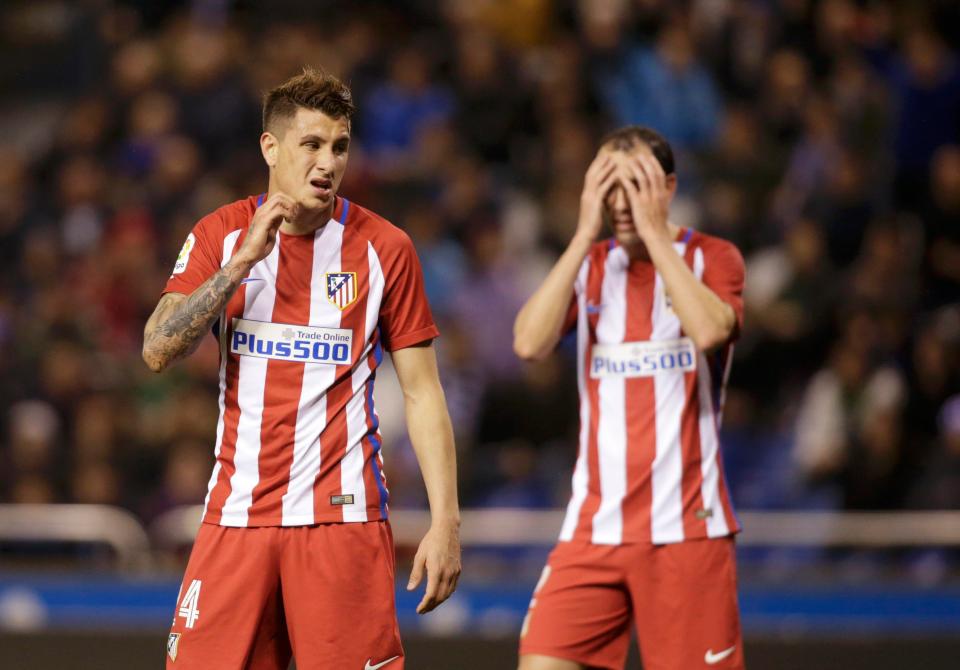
<point>518,527</point>
<point>91,524</point>
<point>176,529</point>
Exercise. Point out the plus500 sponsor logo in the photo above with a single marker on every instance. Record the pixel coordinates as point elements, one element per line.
<point>291,343</point>
<point>641,360</point>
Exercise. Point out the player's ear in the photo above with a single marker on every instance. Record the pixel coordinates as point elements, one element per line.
<point>269,146</point>
<point>672,184</point>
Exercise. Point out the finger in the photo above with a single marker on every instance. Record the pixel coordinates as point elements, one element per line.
<point>605,168</point>
<point>657,178</point>
<point>599,165</point>
<point>600,160</point>
<point>639,169</point>
<point>444,587</point>
<point>416,574</point>
<point>657,173</point>
<point>456,581</point>
<point>280,196</point>
<point>608,182</point>
<point>430,596</point>
<point>628,180</point>
<point>451,584</point>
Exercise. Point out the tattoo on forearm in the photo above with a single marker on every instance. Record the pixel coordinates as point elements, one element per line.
<point>181,331</point>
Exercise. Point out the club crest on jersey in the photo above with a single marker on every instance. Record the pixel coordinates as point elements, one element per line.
<point>342,288</point>
<point>173,645</point>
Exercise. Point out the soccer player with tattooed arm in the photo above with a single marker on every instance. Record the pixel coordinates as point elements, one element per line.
<point>648,535</point>
<point>304,291</point>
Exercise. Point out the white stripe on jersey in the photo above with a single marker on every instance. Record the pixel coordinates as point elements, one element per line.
<point>229,242</point>
<point>258,306</point>
<point>376,282</point>
<point>612,426</point>
<point>312,409</point>
<point>666,512</point>
<point>709,441</point>
<point>351,467</point>
<point>580,473</point>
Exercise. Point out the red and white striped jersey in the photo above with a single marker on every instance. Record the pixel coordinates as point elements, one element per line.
<point>300,341</point>
<point>649,466</point>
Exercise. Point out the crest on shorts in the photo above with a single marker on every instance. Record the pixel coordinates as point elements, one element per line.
<point>173,645</point>
<point>342,288</point>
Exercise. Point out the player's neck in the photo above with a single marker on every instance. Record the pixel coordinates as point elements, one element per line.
<point>307,221</point>
<point>637,250</point>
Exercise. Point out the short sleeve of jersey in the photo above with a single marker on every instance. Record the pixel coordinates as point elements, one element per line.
<point>723,273</point>
<point>405,318</point>
<point>199,258</point>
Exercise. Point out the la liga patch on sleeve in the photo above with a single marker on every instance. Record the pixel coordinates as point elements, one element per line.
<point>184,256</point>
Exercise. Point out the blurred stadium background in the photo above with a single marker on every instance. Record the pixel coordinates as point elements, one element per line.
<point>821,136</point>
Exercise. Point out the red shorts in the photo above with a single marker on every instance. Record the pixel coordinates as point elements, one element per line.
<point>683,598</point>
<point>252,596</point>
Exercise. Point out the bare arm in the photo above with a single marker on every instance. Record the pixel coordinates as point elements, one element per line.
<point>708,320</point>
<point>179,321</point>
<point>431,434</point>
<point>536,330</point>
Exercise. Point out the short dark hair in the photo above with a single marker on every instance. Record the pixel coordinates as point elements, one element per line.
<point>627,137</point>
<point>312,89</point>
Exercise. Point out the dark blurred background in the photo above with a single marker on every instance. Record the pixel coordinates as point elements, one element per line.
<point>821,136</point>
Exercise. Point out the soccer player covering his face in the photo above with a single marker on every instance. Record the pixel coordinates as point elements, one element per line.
<point>304,291</point>
<point>648,535</point>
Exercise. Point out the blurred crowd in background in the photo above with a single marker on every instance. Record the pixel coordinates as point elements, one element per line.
<point>822,137</point>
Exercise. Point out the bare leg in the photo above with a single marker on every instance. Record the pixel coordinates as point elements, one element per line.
<point>538,662</point>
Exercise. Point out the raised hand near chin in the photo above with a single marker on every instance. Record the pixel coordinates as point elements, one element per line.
<point>262,235</point>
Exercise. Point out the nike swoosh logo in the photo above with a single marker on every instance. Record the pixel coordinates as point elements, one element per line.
<point>712,659</point>
<point>367,666</point>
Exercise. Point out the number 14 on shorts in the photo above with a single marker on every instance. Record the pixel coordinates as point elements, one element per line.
<point>189,607</point>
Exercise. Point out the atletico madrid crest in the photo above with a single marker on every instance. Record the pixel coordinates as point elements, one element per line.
<point>342,288</point>
<point>173,646</point>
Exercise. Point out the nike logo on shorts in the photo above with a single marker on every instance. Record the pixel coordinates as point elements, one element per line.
<point>367,666</point>
<point>712,659</point>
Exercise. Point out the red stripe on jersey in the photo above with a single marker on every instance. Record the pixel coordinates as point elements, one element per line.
<point>283,383</point>
<point>231,413</point>
<point>591,503</point>
<point>639,412</point>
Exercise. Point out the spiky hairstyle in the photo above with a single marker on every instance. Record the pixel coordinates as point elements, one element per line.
<point>313,89</point>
